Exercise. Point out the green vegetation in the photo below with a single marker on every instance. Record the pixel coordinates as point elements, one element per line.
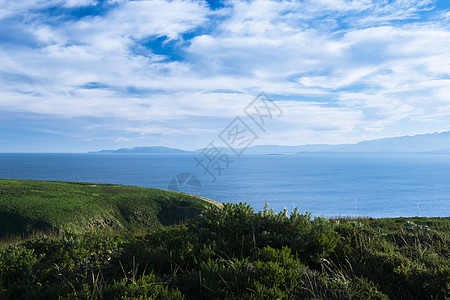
<point>232,252</point>
<point>27,207</point>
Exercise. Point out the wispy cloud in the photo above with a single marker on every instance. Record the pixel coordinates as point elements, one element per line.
<point>341,70</point>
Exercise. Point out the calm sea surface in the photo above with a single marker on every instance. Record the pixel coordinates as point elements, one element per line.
<point>324,184</point>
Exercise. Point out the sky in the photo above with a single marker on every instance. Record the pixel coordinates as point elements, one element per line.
<point>83,75</point>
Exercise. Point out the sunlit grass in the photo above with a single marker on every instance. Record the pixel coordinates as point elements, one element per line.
<point>41,206</point>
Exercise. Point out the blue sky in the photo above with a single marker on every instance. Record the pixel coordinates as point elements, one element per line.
<point>81,75</point>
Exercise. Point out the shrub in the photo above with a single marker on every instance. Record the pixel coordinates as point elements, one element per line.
<point>237,231</point>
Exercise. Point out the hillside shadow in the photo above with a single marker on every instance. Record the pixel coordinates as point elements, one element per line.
<point>13,224</point>
<point>177,215</point>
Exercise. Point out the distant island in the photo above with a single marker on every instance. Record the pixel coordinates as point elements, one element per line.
<point>155,149</point>
<point>421,143</point>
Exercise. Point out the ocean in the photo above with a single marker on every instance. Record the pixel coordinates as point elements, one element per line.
<point>373,185</point>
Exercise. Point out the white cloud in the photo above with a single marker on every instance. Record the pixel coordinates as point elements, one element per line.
<point>78,3</point>
<point>339,68</point>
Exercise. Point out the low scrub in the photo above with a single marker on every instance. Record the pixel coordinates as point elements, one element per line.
<point>236,253</point>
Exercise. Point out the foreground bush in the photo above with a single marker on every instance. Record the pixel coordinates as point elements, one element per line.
<point>235,253</point>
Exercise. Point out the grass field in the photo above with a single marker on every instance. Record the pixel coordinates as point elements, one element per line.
<point>33,206</point>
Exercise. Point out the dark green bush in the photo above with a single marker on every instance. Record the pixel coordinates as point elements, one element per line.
<point>235,253</point>
<point>237,231</point>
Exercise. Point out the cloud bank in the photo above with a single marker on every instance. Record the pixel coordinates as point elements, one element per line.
<point>132,73</point>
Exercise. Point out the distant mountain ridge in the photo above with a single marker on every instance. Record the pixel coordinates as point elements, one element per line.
<point>421,143</point>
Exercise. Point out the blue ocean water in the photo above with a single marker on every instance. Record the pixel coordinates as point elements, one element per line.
<point>384,185</point>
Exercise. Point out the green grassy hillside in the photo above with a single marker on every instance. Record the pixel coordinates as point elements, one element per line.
<point>28,206</point>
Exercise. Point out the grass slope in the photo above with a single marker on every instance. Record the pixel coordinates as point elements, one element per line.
<point>27,206</point>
